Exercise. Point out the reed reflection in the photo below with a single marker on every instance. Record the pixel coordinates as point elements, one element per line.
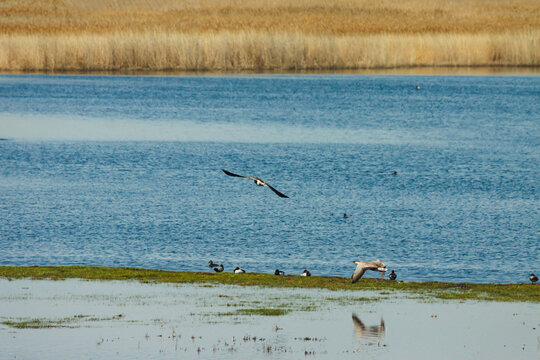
<point>363,332</point>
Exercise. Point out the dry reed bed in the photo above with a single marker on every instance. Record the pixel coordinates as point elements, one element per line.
<point>323,17</point>
<point>262,51</point>
<point>108,35</point>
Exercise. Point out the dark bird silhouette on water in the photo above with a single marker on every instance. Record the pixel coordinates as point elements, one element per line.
<point>212,264</point>
<point>258,182</point>
<point>533,278</point>
<point>219,268</point>
<point>392,275</point>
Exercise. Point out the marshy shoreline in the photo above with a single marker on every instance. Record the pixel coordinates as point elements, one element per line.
<point>399,71</point>
<point>437,290</point>
<point>258,36</point>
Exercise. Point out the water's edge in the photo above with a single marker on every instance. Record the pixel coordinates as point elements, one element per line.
<point>409,70</point>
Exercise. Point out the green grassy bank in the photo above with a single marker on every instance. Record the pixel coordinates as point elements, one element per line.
<point>440,290</point>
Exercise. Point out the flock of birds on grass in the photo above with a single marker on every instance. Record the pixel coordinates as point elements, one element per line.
<point>361,266</point>
<point>237,270</point>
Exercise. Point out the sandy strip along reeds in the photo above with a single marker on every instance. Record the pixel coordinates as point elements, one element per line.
<point>250,50</point>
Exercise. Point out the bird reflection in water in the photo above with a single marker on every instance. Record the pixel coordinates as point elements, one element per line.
<point>363,332</point>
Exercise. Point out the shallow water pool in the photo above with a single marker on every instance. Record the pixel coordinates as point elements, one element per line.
<point>131,320</point>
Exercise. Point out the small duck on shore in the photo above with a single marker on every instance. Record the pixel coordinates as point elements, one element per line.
<point>533,278</point>
<point>279,272</point>
<point>305,273</point>
<point>219,268</point>
<point>237,270</point>
<point>392,276</point>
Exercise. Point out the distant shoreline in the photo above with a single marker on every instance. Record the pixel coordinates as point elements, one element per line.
<point>440,290</point>
<point>410,70</point>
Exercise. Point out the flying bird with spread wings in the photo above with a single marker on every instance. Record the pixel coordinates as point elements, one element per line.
<point>363,266</point>
<point>258,182</point>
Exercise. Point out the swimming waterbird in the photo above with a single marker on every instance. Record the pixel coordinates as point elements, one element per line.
<point>219,268</point>
<point>392,275</point>
<point>258,182</point>
<point>212,264</point>
<point>533,278</point>
<point>362,266</point>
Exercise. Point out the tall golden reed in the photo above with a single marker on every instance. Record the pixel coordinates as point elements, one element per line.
<point>260,51</point>
<point>180,35</point>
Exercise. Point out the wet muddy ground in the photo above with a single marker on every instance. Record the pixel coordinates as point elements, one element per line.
<point>131,320</point>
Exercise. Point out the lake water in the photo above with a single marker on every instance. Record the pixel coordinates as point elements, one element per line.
<point>126,171</point>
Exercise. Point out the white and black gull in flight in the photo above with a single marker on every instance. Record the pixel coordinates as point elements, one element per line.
<point>258,181</point>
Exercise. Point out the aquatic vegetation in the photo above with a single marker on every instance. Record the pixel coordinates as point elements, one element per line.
<point>263,312</point>
<point>39,323</point>
<point>351,300</point>
<point>433,289</point>
<point>70,322</point>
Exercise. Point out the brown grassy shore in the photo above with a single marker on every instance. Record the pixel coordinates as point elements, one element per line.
<point>262,35</point>
<point>440,290</point>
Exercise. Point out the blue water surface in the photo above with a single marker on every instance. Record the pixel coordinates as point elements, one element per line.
<point>126,171</point>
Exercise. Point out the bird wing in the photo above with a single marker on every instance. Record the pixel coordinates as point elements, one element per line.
<point>243,176</point>
<point>358,324</point>
<point>256,178</point>
<point>277,192</point>
<point>236,175</point>
<point>358,273</point>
